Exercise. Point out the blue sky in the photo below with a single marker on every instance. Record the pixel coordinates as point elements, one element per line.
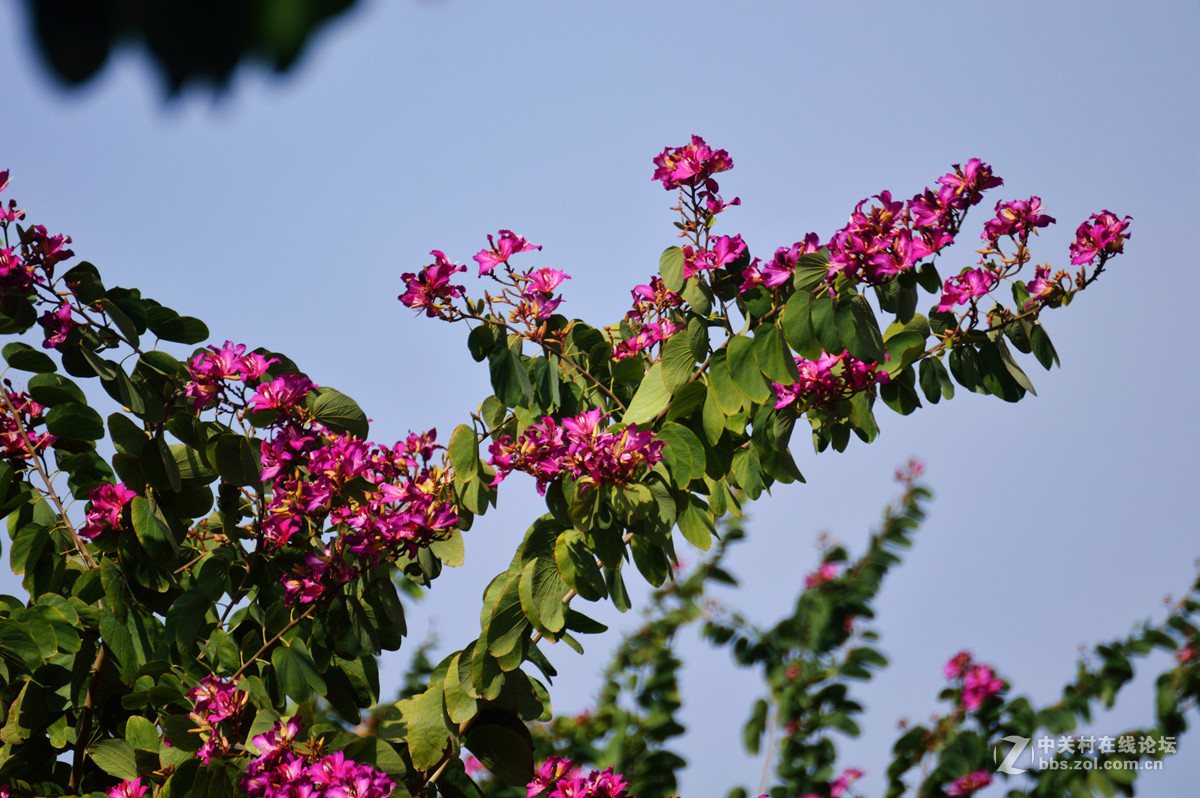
<point>284,213</point>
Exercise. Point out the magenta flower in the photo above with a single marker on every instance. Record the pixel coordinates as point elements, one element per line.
<point>690,165</point>
<point>957,665</point>
<point>216,700</point>
<point>430,288</point>
<point>979,681</point>
<point>843,782</point>
<point>546,280</point>
<point>129,789</point>
<point>722,251</point>
<point>282,393</point>
<point>965,287</point>
<point>108,502</point>
<point>827,572</point>
<point>1103,234</point>
<point>966,184</point>
<point>57,323</point>
<point>1041,287</point>
<point>780,268</point>
<point>499,252</point>
<point>828,378</point>
<point>970,783</point>
<point>1018,219</point>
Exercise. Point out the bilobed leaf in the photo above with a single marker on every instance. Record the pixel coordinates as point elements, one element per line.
<point>670,266</point>
<point>824,324</point>
<point>1013,369</point>
<point>18,646</point>
<point>677,361</point>
<point>683,452</point>
<point>773,358</point>
<point>995,375</point>
<point>54,389</point>
<point>160,363</point>
<point>748,471</point>
<point>74,421</point>
<point>858,329</point>
<point>152,530</point>
<point>1043,350</point>
<point>651,398</point>
<point>510,381</point>
<point>427,735</point>
<point>502,619</point>
<point>903,349</point>
<point>459,706</point>
<point>542,589</point>
<point>503,745</point>
<point>116,758</point>
<point>338,412</point>
<point>183,330</point>
<point>141,733</point>
<point>744,369</point>
<point>463,451</point>
<point>797,325</point>
<point>577,565</point>
<point>935,380</point>
<point>696,523</point>
<point>729,396</point>
<point>24,357</point>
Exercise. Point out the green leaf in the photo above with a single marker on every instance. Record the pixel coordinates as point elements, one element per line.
<point>75,422</point>
<point>1013,369</point>
<point>481,341</point>
<point>1043,350</point>
<point>677,361</point>
<point>995,375</point>
<point>510,381</point>
<point>503,620</point>
<point>797,325</point>
<point>183,330</point>
<point>152,530</point>
<point>161,363</point>
<point>744,369</point>
<point>188,463</point>
<point>18,646</point>
<point>52,389</point>
<point>577,565</point>
<point>651,398</point>
<point>503,745</point>
<point>459,706</point>
<point>116,758</point>
<point>126,435</point>
<point>773,358</point>
<point>935,380</point>
<point>427,735</point>
<point>450,551</point>
<point>463,451</point>
<point>24,357</point>
<point>338,412</point>
<point>748,471</point>
<point>683,452</point>
<point>696,523</point>
<point>670,266</point>
<point>964,365</point>
<point>824,324</point>
<point>141,733</point>
<point>729,396</point>
<point>903,349</point>
<point>541,589</point>
<point>121,319</point>
<point>858,329</point>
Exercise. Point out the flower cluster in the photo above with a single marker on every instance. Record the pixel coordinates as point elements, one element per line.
<point>780,268</point>
<point>21,413</point>
<point>383,501</point>
<point>1016,219</point>
<point>841,784</point>
<point>979,682</point>
<point>558,778</point>
<point>970,783</point>
<point>1102,235</point>
<point>961,288</point>
<point>107,504</point>
<point>892,236</point>
<point>578,448</point>
<point>215,701</point>
<point>284,770</point>
<point>56,324</point>
<point>430,289</point>
<point>690,165</point>
<point>212,369</point>
<point>651,320</point>
<point>536,302</point>
<point>828,378</point>
<point>20,272</point>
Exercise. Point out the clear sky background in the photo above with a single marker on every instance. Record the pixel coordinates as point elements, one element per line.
<point>284,213</point>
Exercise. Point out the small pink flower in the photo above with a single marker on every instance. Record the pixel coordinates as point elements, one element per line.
<point>108,502</point>
<point>964,287</point>
<point>827,572</point>
<point>430,288</point>
<point>970,783</point>
<point>1017,218</point>
<point>1103,234</point>
<point>957,665</point>
<point>57,323</point>
<point>546,280</point>
<point>843,782</point>
<point>690,165</point>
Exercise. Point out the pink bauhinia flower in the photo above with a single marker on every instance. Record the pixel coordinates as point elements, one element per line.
<point>970,783</point>
<point>1017,218</point>
<point>1103,234</point>
<point>965,287</point>
<point>108,502</point>
<point>499,252</point>
<point>129,789</point>
<point>690,165</point>
<point>430,289</point>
